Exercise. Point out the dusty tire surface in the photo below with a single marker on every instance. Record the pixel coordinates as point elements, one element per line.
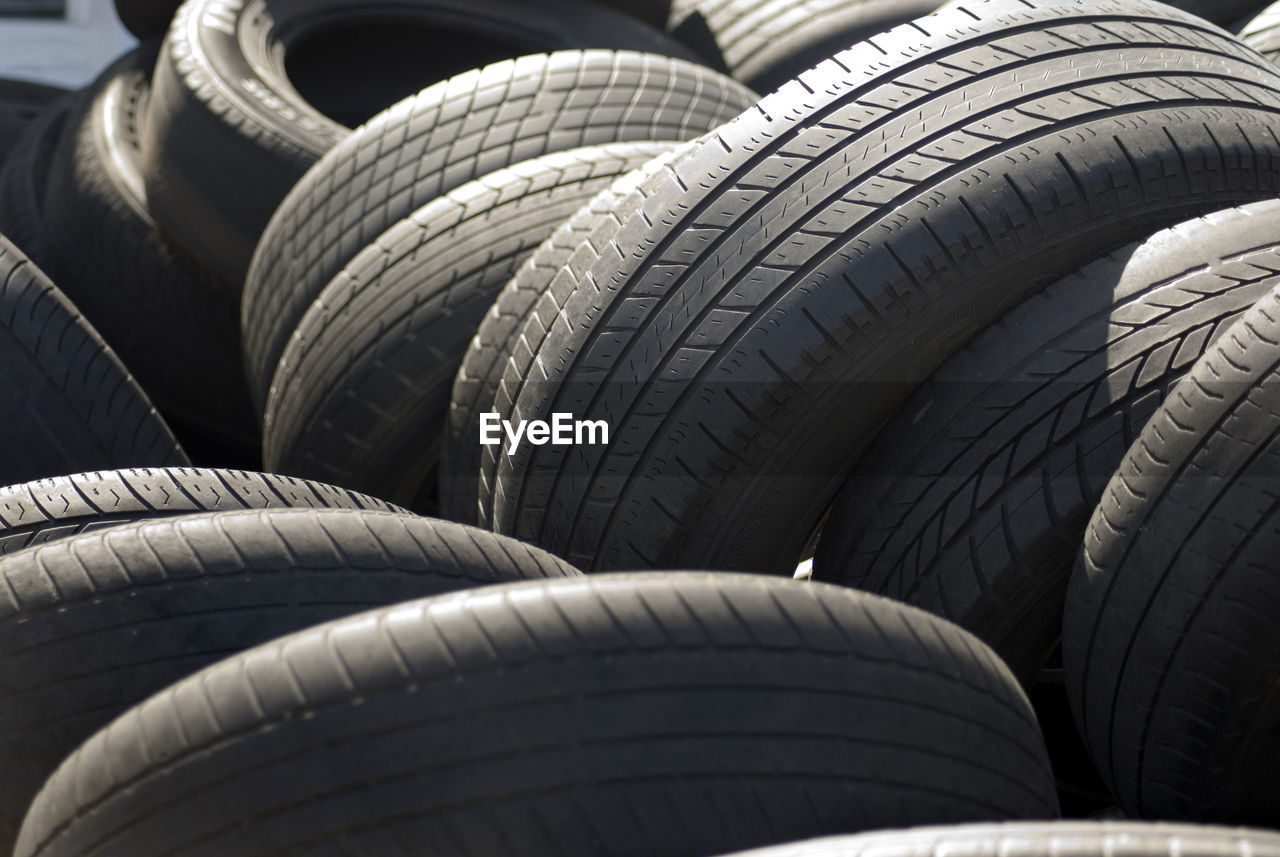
<point>765,43</point>
<point>248,95</point>
<point>92,625</point>
<point>35,513</point>
<point>597,715</point>
<point>69,403</point>
<point>777,298</point>
<point>164,316</point>
<point>361,394</point>
<point>1171,650</point>
<point>1064,839</point>
<point>974,499</point>
<point>449,134</point>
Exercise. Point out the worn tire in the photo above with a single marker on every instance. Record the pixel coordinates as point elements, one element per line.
<point>485,375</point>
<point>1170,645</point>
<point>452,133</point>
<point>24,178</point>
<point>92,625</point>
<point>1263,33</point>
<point>165,318</point>
<point>147,19</point>
<point>228,132</point>
<point>973,501</point>
<point>1061,839</point>
<point>777,298</point>
<point>49,509</point>
<point>21,104</point>
<point>765,43</point>
<point>69,405</point>
<point>361,394</point>
<point>673,714</point>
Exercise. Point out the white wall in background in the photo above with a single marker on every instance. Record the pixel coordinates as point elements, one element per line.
<point>68,53</point>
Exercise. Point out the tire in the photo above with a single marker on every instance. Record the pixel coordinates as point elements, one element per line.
<point>1169,616</point>
<point>765,43</point>
<point>21,104</point>
<point>1062,839</point>
<point>24,178</point>
<point>147,19</point>
<point>50,509</point>
<point>1221,12</point>
<point>69,405</point>
<point>362,390</point>
<point>623,715</point>
<point>230,129</point>
<point>452,133</point>
<point>974,499</point>
<point>167,319</point>
<point>743,371</point>
<point>96,624</point>
<point>484,375</point>
<point>1263,33</point>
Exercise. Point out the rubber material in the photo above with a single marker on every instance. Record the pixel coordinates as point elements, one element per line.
<point>93,625</point>
<point>24,178</point>
<point>622,715</point>
<point>973,501</point>
<point>22,103</point>
<point>485,376</point>
<point>229,130</point>
<point>69,405</point>
<point>1062,839</point>
<point>1219,11</point>
<point>362,391</point>
<point>782,290</point>
<point>765,43</point>
<point>1263,32</point>
<point>147,19</point>
<point>51,509</point>
<point>452,133</point>
<point>1170,645</point>
<point>165,318</point>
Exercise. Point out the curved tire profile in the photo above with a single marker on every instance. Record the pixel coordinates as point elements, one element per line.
<point>452,133</point>
<point>24,178</point>
<point>49,509</point>
<point>1262,33</point>
<point>166,318</point>
<point>92,625</point>
<point>974,499</point>
<point>765,43</point>
<point>69,405</point>
<point>21,104</point>
<point>147,19</point>
<point>361,394</point>
<point>783,290</point>
<point>248,95</point>
<point>485,382</point>
<point>660,713</point>
<point>1062,839</point>
<point>1171,650</point>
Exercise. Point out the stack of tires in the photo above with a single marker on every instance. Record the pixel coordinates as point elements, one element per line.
<point>975,316</point>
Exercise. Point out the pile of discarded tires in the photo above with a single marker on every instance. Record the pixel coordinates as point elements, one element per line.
<point>437,397</point>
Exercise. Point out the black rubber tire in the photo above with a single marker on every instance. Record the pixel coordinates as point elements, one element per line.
<point>1262,33</point>
<point>361,394</point>
<point>92,625</point>
<point>1171,649</point>
<point>747,332</point>
<point>765,43</point>
<point>228,132</point>
<point>49,509</point>
<point>21,104</point>
<point>24,178</point>
<point>452,133</point>
<point>166,319</point>
<point>147,19</point>
<point>1221,12</point>
<point>484,375</point>
<point>673,714</point>
<point>653,12</point>
<point>69,405</point>
<point>1061,839</point>
<point>973,501</point>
